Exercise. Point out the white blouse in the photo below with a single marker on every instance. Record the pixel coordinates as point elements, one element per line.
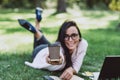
<point>40,62</point>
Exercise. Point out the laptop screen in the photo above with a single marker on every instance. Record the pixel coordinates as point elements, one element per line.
<point>110,69</point>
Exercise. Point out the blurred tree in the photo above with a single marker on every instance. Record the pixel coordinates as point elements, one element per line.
<point>115,6</point>
<point>107,2</point>
<point>61,6</point>
<point>90,3</point>
<point>15,4</point>
<point>22,3</point>
<point>98,3</point>
<point>39,3</point>
<point>1,2</point>
<point>70,3</point>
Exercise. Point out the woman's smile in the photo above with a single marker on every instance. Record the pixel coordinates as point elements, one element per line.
<point>72,38</point>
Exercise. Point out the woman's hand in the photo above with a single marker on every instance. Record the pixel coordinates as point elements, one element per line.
<point>67,74</point>
<point>54,62</point>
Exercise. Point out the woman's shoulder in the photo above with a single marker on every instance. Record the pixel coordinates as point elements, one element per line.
<point>83,42</point>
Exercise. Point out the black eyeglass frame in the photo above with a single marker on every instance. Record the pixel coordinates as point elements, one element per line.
<point>73,36</point>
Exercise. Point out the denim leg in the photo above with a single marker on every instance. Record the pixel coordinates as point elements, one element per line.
<point>43,40</point>
<point>39,45</point>
<point>37,49</point>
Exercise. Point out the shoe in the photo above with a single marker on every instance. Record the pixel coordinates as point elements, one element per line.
<point>38,12</point>
<point>27,25</point>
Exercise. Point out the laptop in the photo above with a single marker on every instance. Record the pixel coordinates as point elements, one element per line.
<point>110,69</point>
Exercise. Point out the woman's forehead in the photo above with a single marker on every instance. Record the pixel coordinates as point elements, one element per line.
<point>71,29</point>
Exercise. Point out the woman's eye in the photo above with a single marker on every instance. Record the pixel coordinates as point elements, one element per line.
<point>74,35</point>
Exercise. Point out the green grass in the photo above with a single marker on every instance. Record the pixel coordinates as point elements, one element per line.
<point>16,44</point>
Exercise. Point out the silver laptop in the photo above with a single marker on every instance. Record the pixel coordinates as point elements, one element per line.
<point>110,69</point>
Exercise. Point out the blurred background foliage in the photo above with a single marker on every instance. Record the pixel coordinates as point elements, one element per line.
<point>61,6</point>
<point>115,5</point>
<point>58,4</point>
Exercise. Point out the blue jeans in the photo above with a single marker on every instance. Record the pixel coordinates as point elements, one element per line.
<point>39,45</point>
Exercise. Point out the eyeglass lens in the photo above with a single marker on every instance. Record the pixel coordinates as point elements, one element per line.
<point>73,36</point>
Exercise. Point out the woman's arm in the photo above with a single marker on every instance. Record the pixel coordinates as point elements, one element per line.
<point>68,73</point>
<point>77,60</point>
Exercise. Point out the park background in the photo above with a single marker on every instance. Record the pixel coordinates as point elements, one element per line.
<point>98,21</point>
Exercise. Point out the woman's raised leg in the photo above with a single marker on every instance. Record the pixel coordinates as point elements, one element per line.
<point>38,36</point>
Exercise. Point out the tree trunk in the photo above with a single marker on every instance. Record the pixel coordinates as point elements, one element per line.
<point>107,2</point>
<point>90,3</point>
<point>61,6</point>
<point>40,3</point>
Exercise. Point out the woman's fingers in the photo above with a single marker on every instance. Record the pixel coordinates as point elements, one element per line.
<point>54,62</point>
<point>67,74</point>
<point>48,59</point>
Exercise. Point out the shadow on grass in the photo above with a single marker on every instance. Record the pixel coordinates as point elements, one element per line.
<point>8,11</point>
<point>13,30</point>
<point>6,20</point>
<point>96,13</point>
<point>12,20</point>
<point>48,30</point>
<point>54,30</point>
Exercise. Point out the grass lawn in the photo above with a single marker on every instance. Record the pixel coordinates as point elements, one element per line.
<point>16,43</point>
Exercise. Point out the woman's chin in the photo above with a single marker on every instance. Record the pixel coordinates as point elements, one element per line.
<point>71,48</point>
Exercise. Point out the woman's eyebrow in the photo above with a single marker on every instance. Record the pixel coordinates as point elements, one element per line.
<point>71,34</point>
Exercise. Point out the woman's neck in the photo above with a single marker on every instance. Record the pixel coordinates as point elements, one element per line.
<point>71,51</point>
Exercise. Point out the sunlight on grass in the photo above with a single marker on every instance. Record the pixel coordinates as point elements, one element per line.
<point>15,16</point>
<point>84,22</point>
<point>95,23</point>
<point>9,41</point>
<point>16,43</point>
<point>24,16</point>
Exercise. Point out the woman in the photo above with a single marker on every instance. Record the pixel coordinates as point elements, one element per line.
<point>73,46</point>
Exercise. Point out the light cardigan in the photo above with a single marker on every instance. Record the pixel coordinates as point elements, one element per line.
<point>40,62</point>
<point>78,55</point>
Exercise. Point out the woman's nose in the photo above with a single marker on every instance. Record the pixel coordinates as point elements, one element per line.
<point>70,39</point>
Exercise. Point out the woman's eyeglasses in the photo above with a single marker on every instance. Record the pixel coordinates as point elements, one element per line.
<point>73,36</point>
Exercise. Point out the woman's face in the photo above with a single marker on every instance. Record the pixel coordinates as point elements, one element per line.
<point>71,38</point>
